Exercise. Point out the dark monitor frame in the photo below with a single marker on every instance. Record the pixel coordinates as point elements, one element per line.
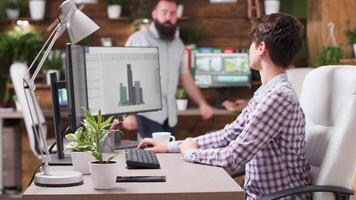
<point>59,158</point>
<point>73,115</point>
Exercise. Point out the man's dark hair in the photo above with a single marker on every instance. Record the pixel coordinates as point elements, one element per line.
<point>282,36</point>
<point>155,2</point>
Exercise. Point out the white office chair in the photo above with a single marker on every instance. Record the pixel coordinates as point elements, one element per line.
<point>296,77</point>
<point>328,99</point>
<point>17,72</point>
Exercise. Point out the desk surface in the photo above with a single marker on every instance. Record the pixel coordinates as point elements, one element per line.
<point>184,181</point>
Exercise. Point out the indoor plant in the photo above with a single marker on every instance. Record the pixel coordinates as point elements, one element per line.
<point>182,99</point>
<point>17,48</point>
<point>329,56</point>
<point>114,8</point>
<point>13,9</point>
<point>53,64</point>
<point>103,171</point>
<point>351,35</point>
<point>83,142</point>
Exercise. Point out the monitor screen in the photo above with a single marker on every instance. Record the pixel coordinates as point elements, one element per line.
<point>116,80</point>
<point>222,69</point>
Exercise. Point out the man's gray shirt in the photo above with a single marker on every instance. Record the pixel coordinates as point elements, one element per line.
<point>171,56</point>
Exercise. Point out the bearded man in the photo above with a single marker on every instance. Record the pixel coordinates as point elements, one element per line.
<point>162,33</point>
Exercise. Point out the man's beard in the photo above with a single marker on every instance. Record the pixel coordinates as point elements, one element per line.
<point>166,30</point>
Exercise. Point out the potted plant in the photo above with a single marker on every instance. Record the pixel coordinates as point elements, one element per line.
<point>329,56</point>
<point>19,47</point>
<point>37,9</point>
<point>272,6</point>
<point>180,8</point>
<point>82,143</point>
<point>53,64</point>
<point>114,8</point>
<point>182,99</point>
<point>13,9</point>
<point>103,171</point>
<point>351,35</point>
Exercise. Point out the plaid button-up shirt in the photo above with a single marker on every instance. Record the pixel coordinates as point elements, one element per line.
<point>268,136</point>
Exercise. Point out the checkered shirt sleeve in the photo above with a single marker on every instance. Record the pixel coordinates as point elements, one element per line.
<point>241,140</point>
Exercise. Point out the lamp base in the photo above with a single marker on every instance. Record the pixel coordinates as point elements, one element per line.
<point>59,179</point>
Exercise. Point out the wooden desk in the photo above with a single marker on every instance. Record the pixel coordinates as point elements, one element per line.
<point>4,116</point>
<point>184,181</point>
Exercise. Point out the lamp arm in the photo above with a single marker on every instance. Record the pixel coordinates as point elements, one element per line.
<point>58,31</point>
<point>29,88</point>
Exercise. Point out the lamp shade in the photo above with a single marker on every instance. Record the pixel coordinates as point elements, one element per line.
<point>78,24</point>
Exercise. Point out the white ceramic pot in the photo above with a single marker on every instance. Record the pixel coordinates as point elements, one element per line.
<point>12,13</point>
<point>354,47</point>
<point>180,11</point>
<point>182,104</point>
<point>114,11</point>
<point>103,175</point>
<point>48,72</point>
<point>271,6</point>
<point>81,161</point>
<point>37,9</point>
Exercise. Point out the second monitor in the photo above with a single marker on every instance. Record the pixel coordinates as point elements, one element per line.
<point>116,80</point>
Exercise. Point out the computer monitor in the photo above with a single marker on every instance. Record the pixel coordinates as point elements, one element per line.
<point>217,70</point>
<point>116,80</point>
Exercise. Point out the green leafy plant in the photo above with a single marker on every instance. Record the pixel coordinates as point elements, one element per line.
<point>116,2</point>
<point>80,141</point>
<point>351,35</point>
<point>181,2</point>
<point>20,46</point>
<point>97,129</point>
<point>13,4</point>
<point>329,56</point>
<point>54,61</point>
<point>191,34</point>
<point>181,93</point>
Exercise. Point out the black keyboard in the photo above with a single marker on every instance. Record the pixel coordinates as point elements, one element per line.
<point>141,159</point>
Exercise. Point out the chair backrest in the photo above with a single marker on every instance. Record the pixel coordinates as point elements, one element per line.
<point>296,77</point>
<point>17,72</point>
<point>328,99</point>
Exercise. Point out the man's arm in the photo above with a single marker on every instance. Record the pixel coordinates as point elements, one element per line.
<point>194,93</point>
<point>267,121</point>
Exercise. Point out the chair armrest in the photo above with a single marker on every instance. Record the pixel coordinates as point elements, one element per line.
<point>337,191</point>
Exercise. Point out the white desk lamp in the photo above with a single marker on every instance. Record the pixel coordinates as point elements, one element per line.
<point>79,27</point>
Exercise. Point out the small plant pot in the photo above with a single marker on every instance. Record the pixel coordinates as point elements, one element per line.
<point>182,104</point>
<point>180,11</point>
<point>81,161</point>
<point>103,175</point>
<point>12,13</point>
<point>271,6</point>
<point>114,11</point>
<point>354,47</point>
<point>37,9</point>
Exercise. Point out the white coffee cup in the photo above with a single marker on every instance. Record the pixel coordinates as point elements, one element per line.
<point>163,137</point>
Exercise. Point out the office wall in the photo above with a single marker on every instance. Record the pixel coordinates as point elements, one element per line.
<point>320,13</point>
<point>225,25</point>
